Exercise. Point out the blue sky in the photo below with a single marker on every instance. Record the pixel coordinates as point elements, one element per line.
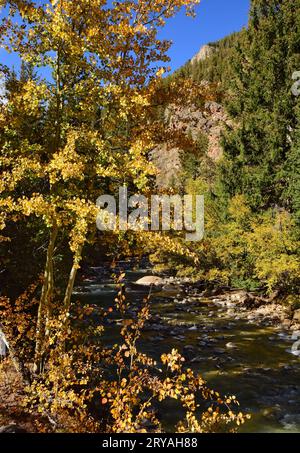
<point>215,19</point>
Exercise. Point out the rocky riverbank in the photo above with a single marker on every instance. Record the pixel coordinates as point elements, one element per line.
<point>239,304</point>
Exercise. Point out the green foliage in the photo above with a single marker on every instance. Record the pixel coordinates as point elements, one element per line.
<point>259,248</point>
<point>253,194</point>
<point>261,103</point>
<point>217,67</point>
<point>241,248</point>
<point>193,160</point>
<point>292,174</point>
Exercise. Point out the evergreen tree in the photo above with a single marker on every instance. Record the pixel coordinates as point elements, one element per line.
<point>292,171</point>
<point>216,68</point>
<point>262,104</point>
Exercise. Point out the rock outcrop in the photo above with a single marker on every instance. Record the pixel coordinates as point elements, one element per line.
<point>191,121</point>
<point>204,52</point>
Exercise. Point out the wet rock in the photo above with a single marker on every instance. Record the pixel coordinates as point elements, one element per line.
<point>296,335</point>
<point>296,349</point>
<point>168,287</point>
<point>181,302</point>
<point>197,359</point>
<point>179,338</point>
<point>271,412</point>
<point>188,347</point>
<point>190,352</point>
<point>193,328</point>
<point>159,328</point>
<point>177,331</point>
<point>203,344</point>
<point>231,345</point>
<point>252,317</point>
<point>212,341</point>
<point>296,315</point>
<point>219,351</point>
<point>286,323</point>
<point>291,421</point>
<point>179,309</point>
<point>238,297</point>
<point>283,335</point>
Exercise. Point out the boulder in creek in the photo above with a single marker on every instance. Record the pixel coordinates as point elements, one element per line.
<point>150,280</point>
<point>231,345</point>
<point>296,315</point>
<point>296,335</point>
<point>286,323</point>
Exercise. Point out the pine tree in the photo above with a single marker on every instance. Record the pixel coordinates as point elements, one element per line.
<point>292,171</point>
<point>262,104</point>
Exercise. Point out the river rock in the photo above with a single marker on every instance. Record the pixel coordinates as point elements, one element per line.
<point>290,421</point>
<point>271,412</point>
<point>296,315</point>
<point>231,345</point>
<point>197,359</point>
<point>219,351</point>
<point>150,280</point>
<point>189,347</point>
<point>296,349</point>
<point>169,288</point>
<point>238,296</point>
<point>286,323</point>
<point>202,344</point>
<point>194,327</point>
<point>296,335</point>
<point>189,352</point>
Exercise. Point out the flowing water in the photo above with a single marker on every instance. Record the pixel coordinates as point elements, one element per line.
<point>253,362</point>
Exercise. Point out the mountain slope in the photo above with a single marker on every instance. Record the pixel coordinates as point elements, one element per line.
<point>209,68</point>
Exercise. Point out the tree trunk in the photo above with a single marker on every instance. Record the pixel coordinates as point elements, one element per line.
<point>71,281</point>
<point>68,295</point>
<point>46,297</point>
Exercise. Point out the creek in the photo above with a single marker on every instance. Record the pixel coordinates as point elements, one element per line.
<point>236,356</point>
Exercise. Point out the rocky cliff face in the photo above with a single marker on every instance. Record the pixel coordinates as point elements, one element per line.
<point>191,121</point>
<point>205,52</point>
